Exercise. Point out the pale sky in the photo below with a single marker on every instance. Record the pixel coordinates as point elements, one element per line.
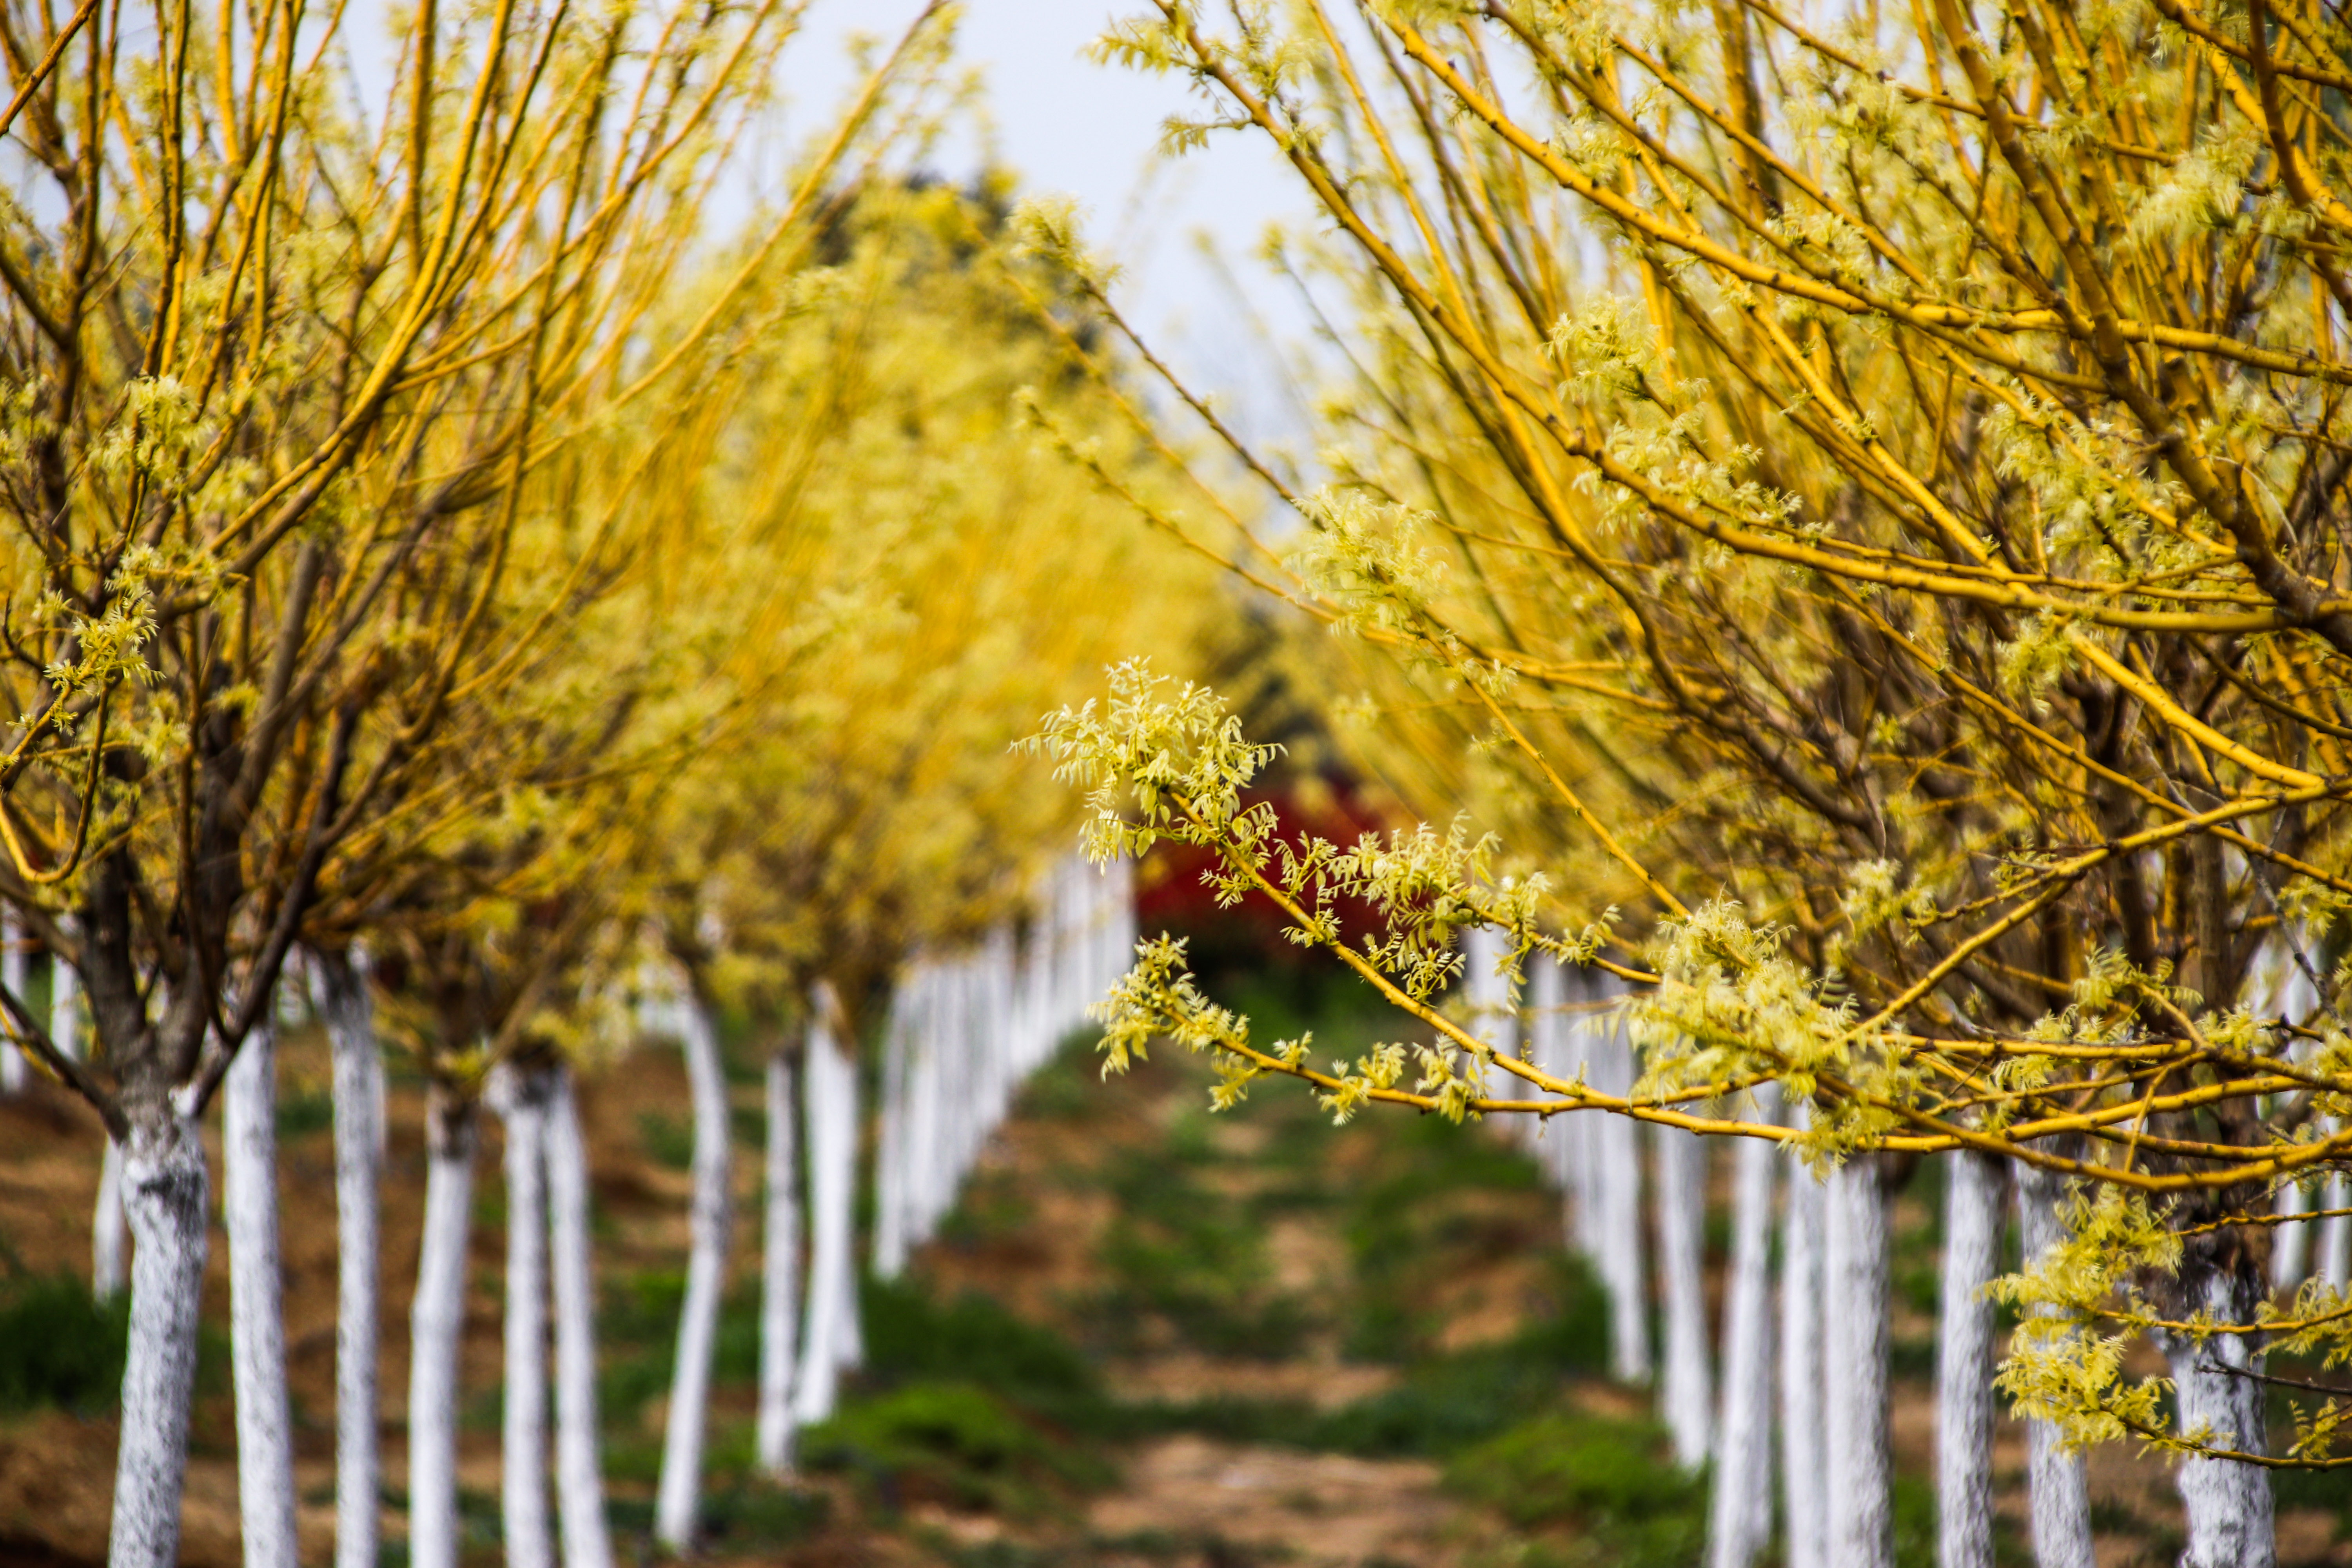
<point>1070,127</point>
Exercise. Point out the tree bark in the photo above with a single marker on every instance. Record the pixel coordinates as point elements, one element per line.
<point>2230,1522</point>
<point>1964,1361</point>
<point>265,1436</point>
<point>64,1004</point>
<point>780,1269</point>
<point>522,1476</point>
<point>2336,1234</point>
<point>2058,1490</point>
<point>2291,1244</point>
<point>579,1464</point>
<point>13,969</point>
<point>1805,1485</point>
<point>678,1498</point>
<point>107,1273</point>
<point>350,1017</point>
<point>1681,1213</point>
<point>165,1194</point>
<point>830,1168</point>
<point>436,1323</point>
<point>1739,1505</point>
<point>1617,1156</point>
<point>1854,1330</point>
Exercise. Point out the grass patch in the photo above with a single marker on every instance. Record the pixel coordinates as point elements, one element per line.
<point>59,1347</point>
<point>953,1441</point>
<point>667,1141</point>
<point>1612,1482</point>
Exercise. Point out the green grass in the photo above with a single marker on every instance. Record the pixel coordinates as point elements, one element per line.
<point>59,1347</point>
<point>955,1440</point>
<point>1612,1482</point>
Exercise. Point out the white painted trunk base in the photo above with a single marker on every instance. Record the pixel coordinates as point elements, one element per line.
<point>265,1437</point>
<point>2230,1520</point>
<point>13,967</point>
<point>1685,1396</point>
<point>436,1321</point>
<point>578,1462</point>
<point>109,1241</point>
<point>2058,1490</point>
<point>829,1090</point>
<point>1853,1386</point>
<point>1739,1505</point>
<point>165,1195</point>
<point>780,1270</point>
<point>679,1497</point>
<point>1803,1481</point>
<point>520,1097</point>
<point>359,1224</point>
<point>1965,1409</point>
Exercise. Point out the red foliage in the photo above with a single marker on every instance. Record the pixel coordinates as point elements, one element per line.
<point>1172,896</point>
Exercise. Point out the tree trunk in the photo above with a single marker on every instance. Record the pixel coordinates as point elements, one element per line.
<point>436,1322</point>
<point>349,1018</point>
<point>1964,1361</point>
<point>65,1006</point>
<point>1740,1513</point>
<point>265,1434</point>
<point>890,1154</point>
<point>1804,1487</point>
<point>1681,1211</point>
<point>829,1214</point>
<point>13,969</point>
<point>2230,1519</point>
<point>2336,1234</point>
<point>165,1195</point>
<point>106,1275</point>
<point>522,1475</point>
<point>2057,1489</point>
<point>779,1271</point>
<point>677,1500</point>
<point>1855,1333</point>
<point>2291,1244</point>
<point>579,1464</point>
<point>1617,1156</point>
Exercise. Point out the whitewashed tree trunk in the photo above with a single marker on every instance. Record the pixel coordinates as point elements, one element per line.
<point>165,1194</point>
<point>2058,1490</point>
<point>890,1154</point>
<point>2335,1232</point>
<point>579,1463</point>
<point>1964,1361</point>
<point>265,1427</point>
<point>780,1270</point>
<point>13,969</point>
<point>65,1007</point>
<point>436,1324</point>
<point>350,1016</point>
<point>1854,1338</point>
<point>1739,1505</point>
<point>521,1102</point>
<point>1624,1273</point>
<point>677,1501</point>
<point>2291,1244</point>
<point>107,1236</point>
<point>848,1324</point>
<point>1803,1484</point>
<point>818,1381</point>
<point>1684,1389</point>
<point>2230,1513</point>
